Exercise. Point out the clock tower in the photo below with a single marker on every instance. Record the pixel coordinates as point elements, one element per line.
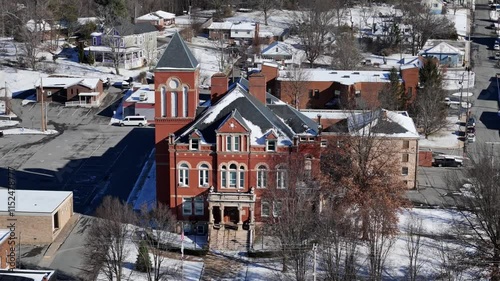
<point>176,100</point>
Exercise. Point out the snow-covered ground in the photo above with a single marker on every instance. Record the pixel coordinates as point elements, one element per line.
<point>446,138</point>
<point>460,19</point>
<point>183,270</point>
<point>25,131</point>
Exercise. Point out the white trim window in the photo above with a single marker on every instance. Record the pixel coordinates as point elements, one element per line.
<point>281,178</point>
<point>203,175</point>
<point>183,175</point>
<point>233,143</point>
<point>187,206</point>
<point>199,206</point>
<point>277,207</point>
<point>265,209</point>
<point>262,176</point>
<point>173,105</point>
<point>232,176</point>
<point>271,145</point>
<point>194,144</point>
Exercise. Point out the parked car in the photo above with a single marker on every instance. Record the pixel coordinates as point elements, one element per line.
<point>471,122</point>
<point>447,161</point>
<point>471,137</point>
<point>496,46</point>
<point>134,121</point>
<point>497,55</point>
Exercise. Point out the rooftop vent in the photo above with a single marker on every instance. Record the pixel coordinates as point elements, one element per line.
<point>346,76</point>
<point>376,75</point>
<point>355,72</point>
<point>333,72</point>
<point>143,97</point>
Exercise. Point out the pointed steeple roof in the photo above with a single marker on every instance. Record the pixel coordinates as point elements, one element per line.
<point>177,55</point>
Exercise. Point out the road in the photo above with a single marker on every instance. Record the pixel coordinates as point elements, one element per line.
<point>88,156</point>
<point>433,189</point>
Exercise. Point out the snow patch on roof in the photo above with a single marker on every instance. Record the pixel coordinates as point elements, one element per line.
<point>340,76</point>
<point>228,99</point>
<point>35,201</point>
<point>256,135</point>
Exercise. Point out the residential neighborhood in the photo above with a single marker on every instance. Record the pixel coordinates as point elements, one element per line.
<point>249,140</point>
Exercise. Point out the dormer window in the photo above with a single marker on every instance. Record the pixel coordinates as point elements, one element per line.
<point>194,144</point>
<point>271,145</point>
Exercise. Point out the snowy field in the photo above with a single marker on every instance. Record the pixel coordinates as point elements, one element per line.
<point>446,138</point>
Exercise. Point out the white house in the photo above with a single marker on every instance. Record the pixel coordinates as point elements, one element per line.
<point>159,18</point>
<point>243,30</point>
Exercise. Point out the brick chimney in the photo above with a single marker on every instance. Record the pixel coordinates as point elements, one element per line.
<point>257,86</point>
<point>219,86</point>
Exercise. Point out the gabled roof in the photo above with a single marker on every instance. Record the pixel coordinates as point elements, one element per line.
<point>253,114</point>
<point>278,48</point>
<point>177,55</point>
<point>66,82</point>
<point>157,15</point>
<point>442,48</point>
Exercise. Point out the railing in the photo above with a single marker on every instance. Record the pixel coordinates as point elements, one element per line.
<point>230,197</point>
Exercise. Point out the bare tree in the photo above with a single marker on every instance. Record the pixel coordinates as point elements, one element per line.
<point>267,7</point>
<point>294,202</point>
<point>346,52</point>
<point>429,109</point>
<point>314,27</point>
<point>158,227</point>
<point>296,87</point>
<point>339,232</point>
<point>413,244</point>
<point>451,265</point>
<point>105,243</point>
<point>479,227</point>
<point>425,25</point>
<point>380,240</point>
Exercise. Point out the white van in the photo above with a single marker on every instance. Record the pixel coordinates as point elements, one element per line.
<point>134,121</point>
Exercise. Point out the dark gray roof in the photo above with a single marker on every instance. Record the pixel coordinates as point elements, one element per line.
<point>293,118</point>
<point>127,28</point>
<point>240,104</point>
<point>177,55</point>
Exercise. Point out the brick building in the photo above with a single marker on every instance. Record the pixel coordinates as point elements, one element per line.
<point>394,132</point>
<point>5,248</point>
<point>40,215</point>
<point>320,89</point>
<point>216,160</point>
<point>64,89</point>
<point>213,160</point>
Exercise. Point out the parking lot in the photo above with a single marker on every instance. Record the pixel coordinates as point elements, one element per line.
<point>88,156</point>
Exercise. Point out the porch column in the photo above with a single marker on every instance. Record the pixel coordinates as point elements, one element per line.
<point>252,215</point>
<point>210,214</point>
<point>240,210</point>
<point>221,207</point>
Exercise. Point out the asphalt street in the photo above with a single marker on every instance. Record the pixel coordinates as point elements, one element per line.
<point>433,189</point>
<point>88,156</point>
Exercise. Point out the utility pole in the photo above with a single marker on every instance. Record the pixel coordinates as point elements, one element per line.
<point>492,150</point>
<point>315,253</point>
<point>7,112</point>
<point>42,92</point>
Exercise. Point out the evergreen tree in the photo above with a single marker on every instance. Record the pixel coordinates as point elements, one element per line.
<point>143,263</point>
<point>393,95</point>
<point>429,74</point>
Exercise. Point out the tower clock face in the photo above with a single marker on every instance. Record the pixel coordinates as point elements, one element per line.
<point>174,84</point>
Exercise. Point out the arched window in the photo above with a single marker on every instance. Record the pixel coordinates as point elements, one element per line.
<point>203,175</point>
<point>281,177</point>
<point>307,167</point>
<point>264,209</point>
<point>163,102</point>
<point>185,102</point>
<point>261,176</point>
<point>223,176</point>
<point>173,104</point>
<point>183,175</point>
<point>232,177</point>
<point>242,177</point>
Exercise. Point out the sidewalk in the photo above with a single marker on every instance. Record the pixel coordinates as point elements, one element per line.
<point>52,249</point>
